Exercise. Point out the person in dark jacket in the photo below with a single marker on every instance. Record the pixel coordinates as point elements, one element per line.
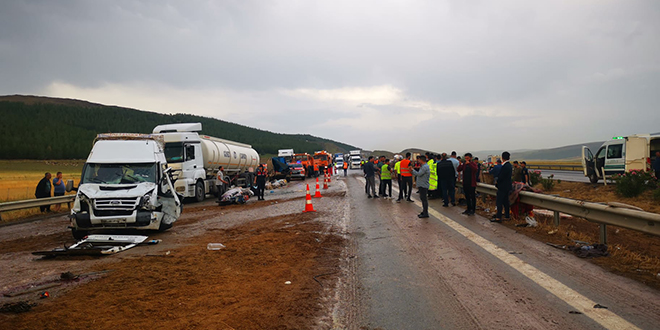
<point>503,189</point>
<point>469,169</point>
<point>370,170</point>
<point>495,171</point>
<point>43,191</point>
<point>261,182</point>
<point>446,177</point>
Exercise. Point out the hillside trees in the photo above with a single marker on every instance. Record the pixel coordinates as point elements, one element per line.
<point>59,131</point>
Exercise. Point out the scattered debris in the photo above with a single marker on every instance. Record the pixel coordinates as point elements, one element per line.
<point>213,246</point>
<point>574,312</point>
<point>98,245</point>
<point>600,306</point>
<point>562,247</point>
<point>515,252</point>
<point>17,307</point>
<point>236,195</point>
<point>68,276</point>
<point>590,251</point>
<point>33,289</point>
<point>44,294</point>
<point>287,282</point>
<point>552,232</point>
<point>531,221</point>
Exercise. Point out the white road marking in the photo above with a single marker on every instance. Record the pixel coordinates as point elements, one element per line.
<point>604,317</point>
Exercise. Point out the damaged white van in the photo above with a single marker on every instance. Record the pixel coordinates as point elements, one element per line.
<point>125,184</point>
<point>619,155</point>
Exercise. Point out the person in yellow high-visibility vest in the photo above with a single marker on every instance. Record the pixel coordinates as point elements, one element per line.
<point>433,178</point>
<point>386,179</point>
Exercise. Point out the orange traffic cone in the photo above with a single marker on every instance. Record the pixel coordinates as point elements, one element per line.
<point>325,181</point>
<point>308,202</point>
<point>317,194</point>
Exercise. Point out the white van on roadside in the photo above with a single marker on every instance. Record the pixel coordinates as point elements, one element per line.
<point>619,155</point>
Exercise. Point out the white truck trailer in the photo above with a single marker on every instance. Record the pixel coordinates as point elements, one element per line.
<point>355,158</point>
<point>287,154</point>
<point>125,184</point>
<point>196,158</point>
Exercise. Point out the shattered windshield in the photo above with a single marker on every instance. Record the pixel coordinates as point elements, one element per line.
<point>118,173</point>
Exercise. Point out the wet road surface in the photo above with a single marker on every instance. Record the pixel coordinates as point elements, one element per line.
<point>451,271</point>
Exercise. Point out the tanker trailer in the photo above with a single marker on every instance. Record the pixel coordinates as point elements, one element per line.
<point>196,158</point>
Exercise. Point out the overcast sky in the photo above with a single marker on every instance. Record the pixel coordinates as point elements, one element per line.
<point>466,74</point>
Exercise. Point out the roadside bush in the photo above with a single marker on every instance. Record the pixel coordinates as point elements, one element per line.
<point>633,183</point>
<point>548,183</point>
<point>656,194</point>
<point>535,177</point>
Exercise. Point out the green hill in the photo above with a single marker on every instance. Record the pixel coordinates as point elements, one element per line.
<point>35,127</point>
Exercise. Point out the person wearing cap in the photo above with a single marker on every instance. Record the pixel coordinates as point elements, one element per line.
<point>525,173</point>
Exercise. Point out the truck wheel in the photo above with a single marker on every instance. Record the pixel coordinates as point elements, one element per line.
<point>593,178</point>
<point>199,191</point>
<point>79,234</point>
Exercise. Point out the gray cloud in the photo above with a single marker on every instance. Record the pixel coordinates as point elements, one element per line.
<point>513,74</point>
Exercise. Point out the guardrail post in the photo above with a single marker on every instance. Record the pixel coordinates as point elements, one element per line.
<point>556,215</point>
<point>603,233</point>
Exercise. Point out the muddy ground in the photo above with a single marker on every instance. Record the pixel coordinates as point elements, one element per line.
<point>180,284</point>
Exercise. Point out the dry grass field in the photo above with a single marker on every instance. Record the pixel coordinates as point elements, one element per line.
<point>19,178</point>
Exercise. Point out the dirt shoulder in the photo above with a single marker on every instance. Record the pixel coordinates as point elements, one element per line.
<point>182,284</point>
<point>632,254</point>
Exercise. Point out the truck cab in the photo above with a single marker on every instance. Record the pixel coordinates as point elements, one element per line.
<point>619,155</point>
<point>125,184</point>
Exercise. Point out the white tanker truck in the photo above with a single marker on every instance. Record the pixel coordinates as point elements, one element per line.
<point>196,158</point>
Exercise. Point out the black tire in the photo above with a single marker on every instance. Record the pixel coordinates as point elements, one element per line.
<point>593,178</point>
<point>79,234</point>
<point>163,227</point>
<point>199,191</point>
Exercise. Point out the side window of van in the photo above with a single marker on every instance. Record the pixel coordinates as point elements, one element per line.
<point>615,151</point>
<point>601,153</point>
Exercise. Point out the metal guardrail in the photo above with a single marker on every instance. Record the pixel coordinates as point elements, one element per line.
<point>30,203</point>
<point>555,167</point>
<point>645,222</point>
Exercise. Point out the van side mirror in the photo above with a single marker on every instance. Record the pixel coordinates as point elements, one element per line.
<point>69,185</point>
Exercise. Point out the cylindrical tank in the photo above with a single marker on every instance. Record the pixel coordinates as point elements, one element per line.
<point>235,157</point>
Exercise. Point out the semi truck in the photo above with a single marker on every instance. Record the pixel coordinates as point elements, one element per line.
<point>125,184</point>
<point>355,159</point>
<point>619,155</point>
<point>195,159</point>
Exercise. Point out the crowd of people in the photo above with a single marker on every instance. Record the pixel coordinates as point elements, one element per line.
<point>436,176</point>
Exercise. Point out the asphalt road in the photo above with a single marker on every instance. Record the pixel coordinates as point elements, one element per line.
<point>451,271</point>
<point>573,176</point>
